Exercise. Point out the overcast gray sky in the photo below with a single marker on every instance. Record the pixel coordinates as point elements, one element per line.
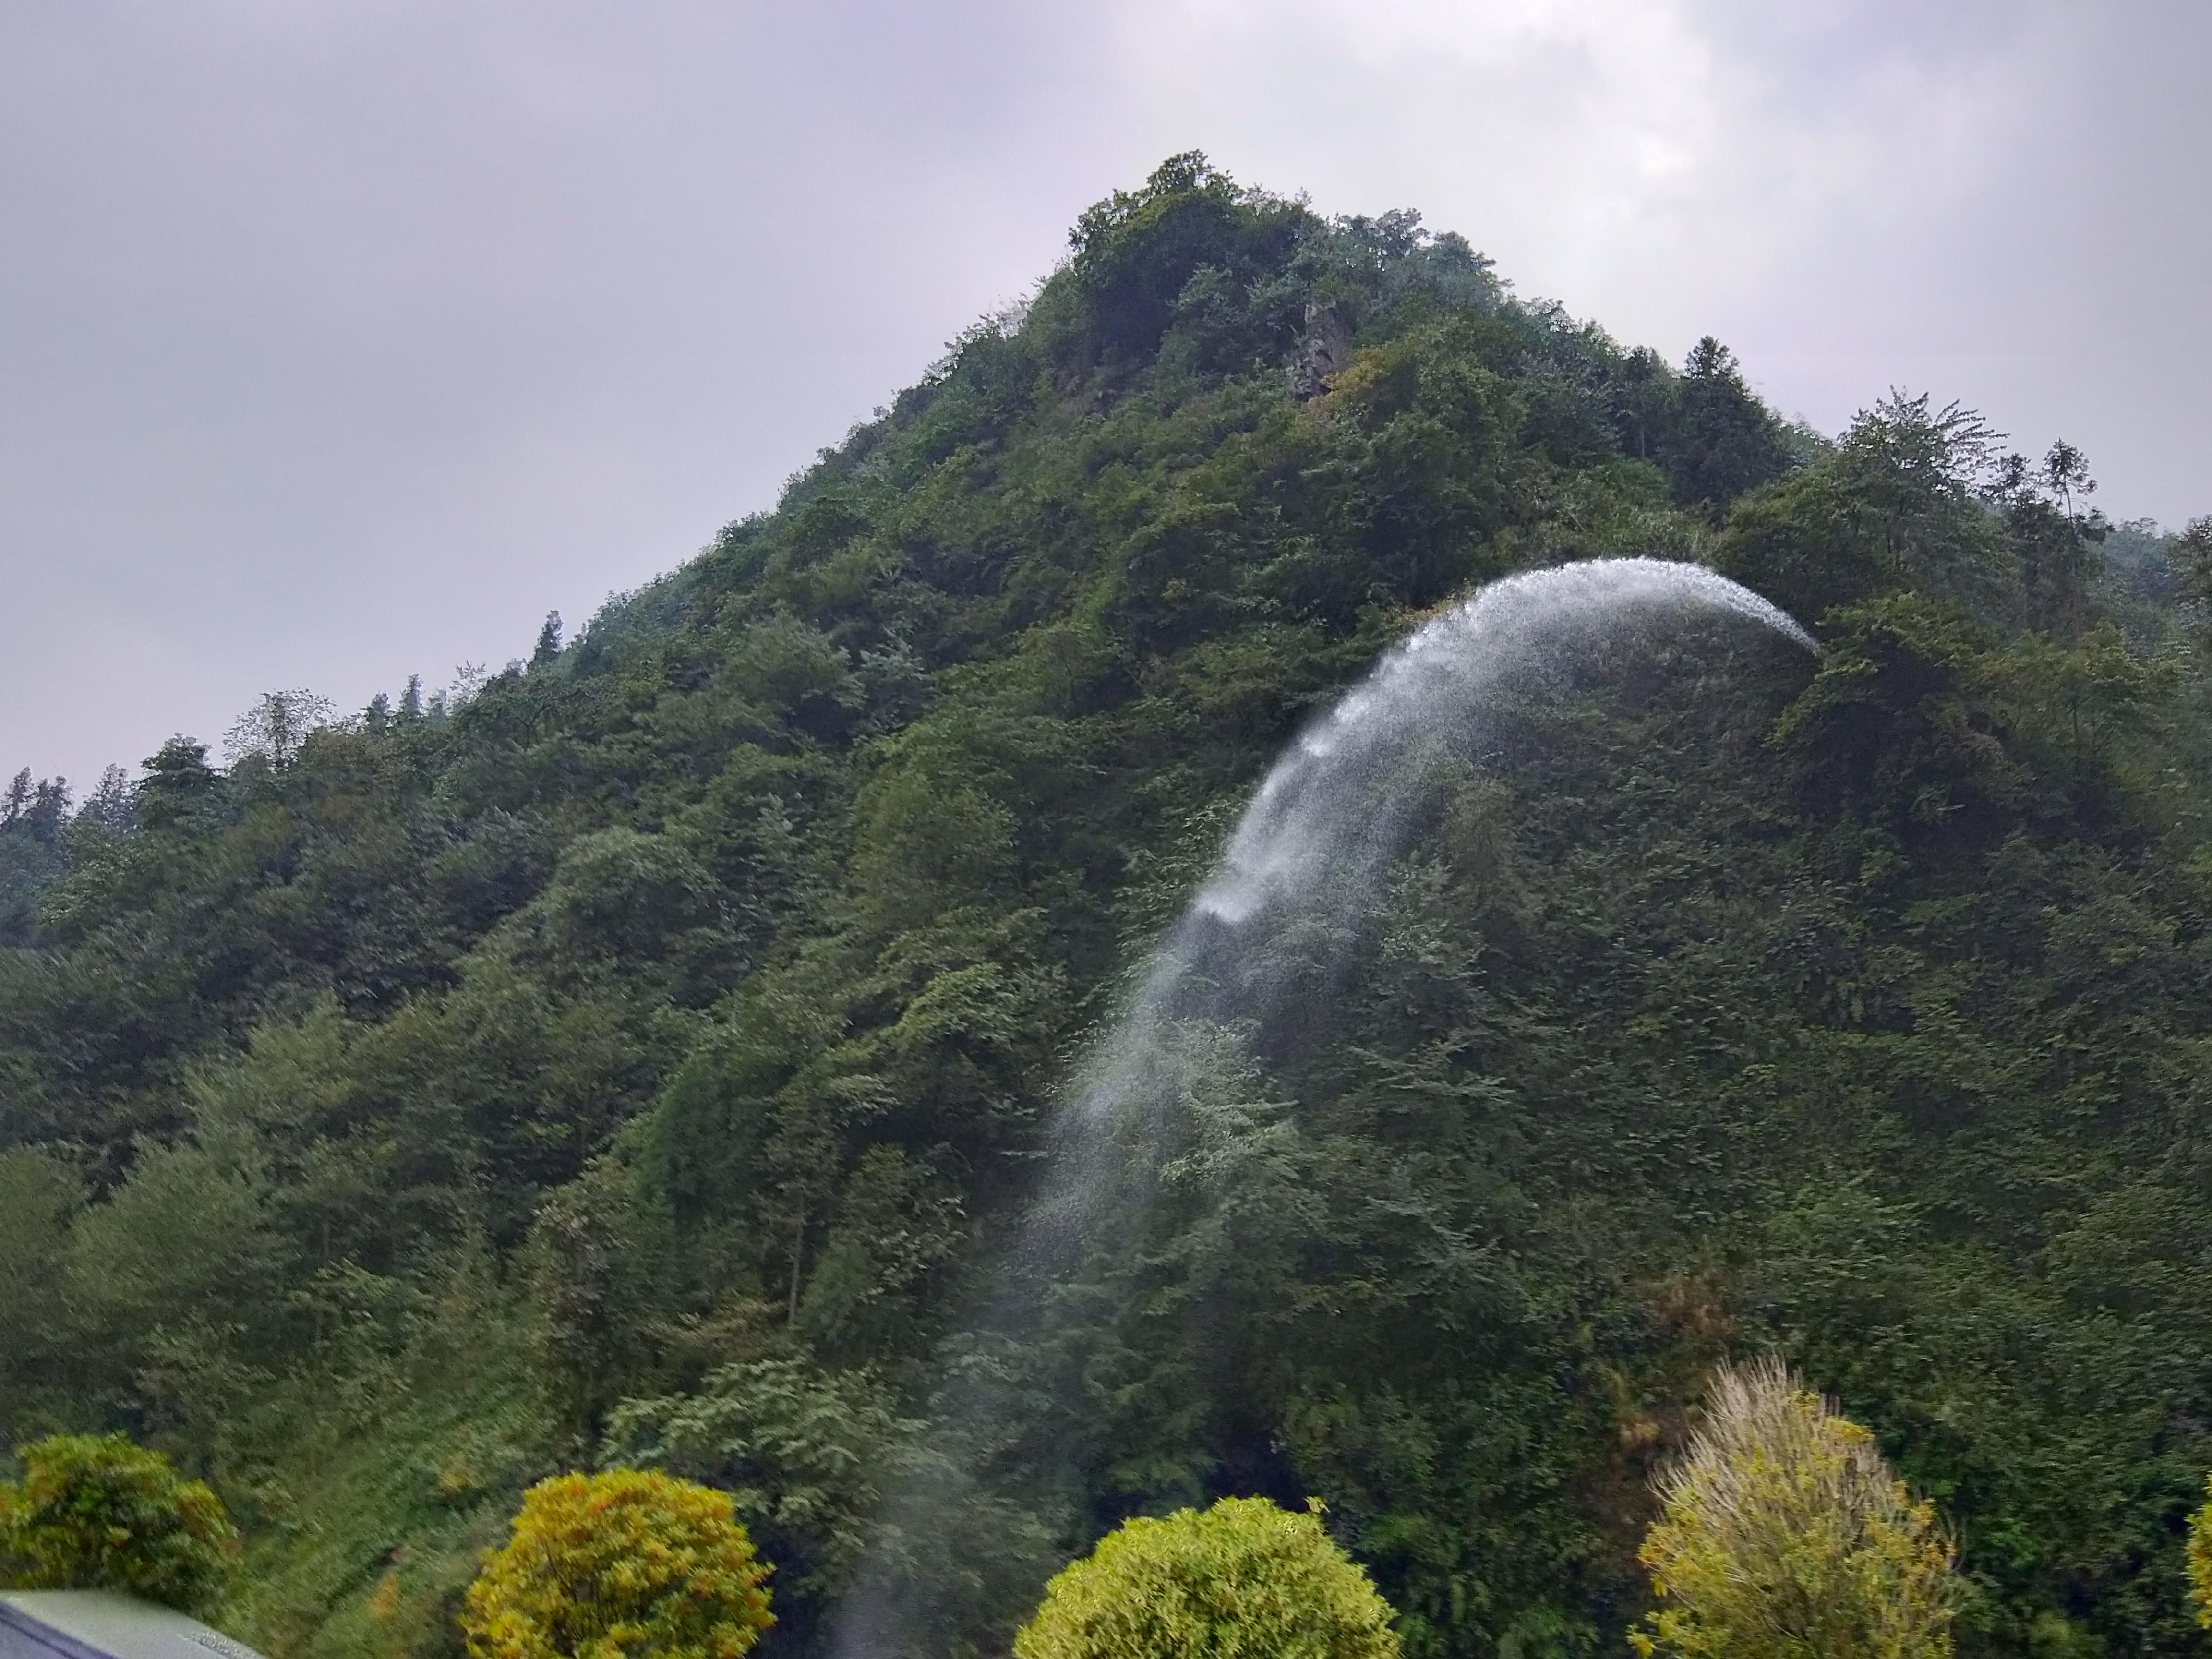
<point>341,341</point>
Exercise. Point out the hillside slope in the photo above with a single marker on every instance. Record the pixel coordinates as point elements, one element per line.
<point>643,1055</point>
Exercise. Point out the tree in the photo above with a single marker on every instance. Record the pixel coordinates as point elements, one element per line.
<point>2195,546</point>
<point>1137,252</point>
<point>277,724</point>
<point>808,1457</point>
<point>38,1194</point>
<point>2052,536</point>
<point>1721,440</point>
<point>109,805</point>
<point>1243,1580</point>
<point>600,1567</point>
<point>96,1512</point>
<point>1898,502</point>
<point>38,809</point>
<point>796,890</point>
<point>548,650</point>
<point>1785,1535</point>
<point>2200,1559</point>
<point>31,858</point>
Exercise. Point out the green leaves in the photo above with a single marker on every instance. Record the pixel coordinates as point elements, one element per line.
<point>1785,1535</point>
<point>2200,1559</point>
<point>1242,1580</point>
<point>607,1566</point>
<point>99,1513</point>
<point>682,1019</point>
<point>808,1456</point>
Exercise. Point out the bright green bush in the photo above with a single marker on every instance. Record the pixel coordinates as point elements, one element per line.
<point>2200,1559</point>
<point>628,1563</point>
<point>96,1512</point>
<point>1785,1536</point>
<point>1243,1580</point>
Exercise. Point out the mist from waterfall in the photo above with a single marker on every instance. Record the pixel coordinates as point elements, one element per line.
<point>1298,879</point>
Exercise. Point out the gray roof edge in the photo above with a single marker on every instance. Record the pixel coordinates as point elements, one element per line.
<point>108,1624</point>
<point>24,1623</point>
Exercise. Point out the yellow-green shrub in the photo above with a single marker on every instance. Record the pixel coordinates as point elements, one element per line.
<point>97,1512</point>
<point>1243,1580</point>
<point>613,1565</point>
<point>1785,1535</point>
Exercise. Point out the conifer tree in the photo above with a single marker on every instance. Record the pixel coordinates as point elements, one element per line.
<point>548,641</point>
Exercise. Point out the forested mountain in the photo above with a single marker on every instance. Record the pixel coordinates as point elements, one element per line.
<point>643,1055</point>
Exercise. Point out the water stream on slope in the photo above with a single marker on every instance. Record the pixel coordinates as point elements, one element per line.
<point>1302,868</point>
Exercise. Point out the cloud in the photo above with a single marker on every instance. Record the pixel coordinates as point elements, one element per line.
<point>1993,200</point>
<point>1626,157</point>
<point>342,341</point>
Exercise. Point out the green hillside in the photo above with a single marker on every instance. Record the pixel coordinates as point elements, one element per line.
<point>645,1055</point>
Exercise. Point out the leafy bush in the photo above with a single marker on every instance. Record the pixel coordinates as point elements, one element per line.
<point>1785,1536</point>
<point>96,1512</point>
<point>1243,1578</point>
<point>603,1565</point>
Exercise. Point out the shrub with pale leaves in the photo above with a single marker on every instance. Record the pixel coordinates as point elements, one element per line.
<point>1784,1534</point>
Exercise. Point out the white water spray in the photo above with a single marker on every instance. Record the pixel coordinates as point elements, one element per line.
<point>1326,820</point>
<point>1434,678</point>
<point>1296,879</point>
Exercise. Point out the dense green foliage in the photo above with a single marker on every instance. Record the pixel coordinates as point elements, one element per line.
<point>96,1512</point>
<point>621,1565</point>
<point>2200,1559</point>
<point>1784,1534</point>
<point>638,1056</point>
<point>1241,1580</point>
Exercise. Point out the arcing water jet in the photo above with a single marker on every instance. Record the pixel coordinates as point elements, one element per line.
<point>1299,875</point>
